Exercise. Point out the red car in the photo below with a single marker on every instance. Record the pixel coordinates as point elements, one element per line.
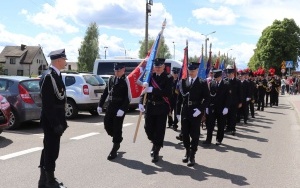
<point>4,113</point>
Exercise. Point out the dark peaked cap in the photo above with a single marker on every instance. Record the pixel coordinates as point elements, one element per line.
<point>175,70</point>
<point>119,66</point>
<point>193,65</point>
<point>159,62</point>
<point>217,73</point>
<point>57,54</point>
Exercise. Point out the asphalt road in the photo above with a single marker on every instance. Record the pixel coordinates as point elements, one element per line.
<point>264,153</point>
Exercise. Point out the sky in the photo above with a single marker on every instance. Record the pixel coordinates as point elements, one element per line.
<point>57,24</point>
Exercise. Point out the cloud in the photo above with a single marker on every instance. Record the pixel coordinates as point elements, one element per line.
<point>221,16</point>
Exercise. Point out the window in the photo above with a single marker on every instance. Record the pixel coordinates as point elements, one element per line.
<point>69,67</point>
<point>20,72</point>
<point>12,60</point>
<point>91,79</point>
<point>69,80</point>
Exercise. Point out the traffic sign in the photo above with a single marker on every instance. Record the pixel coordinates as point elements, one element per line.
<point>289,64</point>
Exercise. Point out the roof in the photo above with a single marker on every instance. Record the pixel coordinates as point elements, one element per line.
<point>27,54</point>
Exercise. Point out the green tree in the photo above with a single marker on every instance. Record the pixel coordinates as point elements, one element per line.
<point>163,51</point>
<point>1,69</point>
<point>279,42</point>
<point>89,49</point>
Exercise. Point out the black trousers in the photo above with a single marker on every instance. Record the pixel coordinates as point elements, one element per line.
<point>261,101</point>
<point>268,95</point>
<point>251,105</point>
<point>51,150</point>
<point>244,111</point>
<point>155,128</point>
<point>113,126</point>
<point>211,122</point>
<point>231,118</point>
<point>190,129</point>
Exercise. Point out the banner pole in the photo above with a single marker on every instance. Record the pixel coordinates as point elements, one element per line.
<point>139,120</point>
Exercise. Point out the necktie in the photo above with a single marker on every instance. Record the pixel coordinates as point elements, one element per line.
<point>192,81</point>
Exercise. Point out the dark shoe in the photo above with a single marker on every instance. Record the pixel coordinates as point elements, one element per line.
<point>179,137</point>
<point>186,157</point>
<point>51,181</point>
<point>206,143</point>
<point>258,109</point>
<point>155,157</point>
<point>152,151</point>
<point>192,159</point>
<point>113,154</point>
<point>218,143</point>
<point>233,133</point>
<point>175,127</point>
<point>245,122</point>
<point>227,130</point>
<point>253,116</point>
<point>262,109</point>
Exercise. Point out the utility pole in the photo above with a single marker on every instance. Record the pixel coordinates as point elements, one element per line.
<point>206,39</point>
<point>148,10</point>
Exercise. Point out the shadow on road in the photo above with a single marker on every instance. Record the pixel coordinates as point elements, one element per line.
<point>226,148</point>
<point>4,142</point>
<point>28,127</point>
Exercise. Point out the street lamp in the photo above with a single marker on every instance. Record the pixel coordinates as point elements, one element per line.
<point>227,55</point>
<point>149,3</point>
<point>174,50</point>
<point>206,39</point>
<point>105,48</point>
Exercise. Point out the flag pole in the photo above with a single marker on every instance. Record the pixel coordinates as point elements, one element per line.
<point>139,119</point>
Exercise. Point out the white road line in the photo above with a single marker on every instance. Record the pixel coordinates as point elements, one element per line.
<point>84,136</point>
<point>127,124</point>
<point>4,157</point>
<point>39,135</point>
<point>98,124</point>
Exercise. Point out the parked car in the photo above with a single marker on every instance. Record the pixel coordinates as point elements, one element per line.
<point>23,94</point>
<point>4,113</point>
<point>105,78</point>
<point>83,92</point>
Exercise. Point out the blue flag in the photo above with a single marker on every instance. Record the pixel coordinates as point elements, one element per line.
<point>202,71</point>
<point>145,77</point>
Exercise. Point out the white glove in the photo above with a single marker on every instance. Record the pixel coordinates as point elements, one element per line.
<point>149,89</point>
<point>196,113</point>
<point>225,111</point>
<point>120,113</point>
<point>178,117</point>
<point>99,110</point>
<point>248,99</point>
<point>141,108</point>
<point>206,110</point>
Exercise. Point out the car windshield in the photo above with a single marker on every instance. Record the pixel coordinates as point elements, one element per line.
<point>92,80</point>
<point>31,85</point>
<point>100,80</point>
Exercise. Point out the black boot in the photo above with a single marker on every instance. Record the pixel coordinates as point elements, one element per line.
<point>152,150</point>
<point>179,137</point>
<point>192,158</point>
<point>42,180</point>
<point>155,154</point>
<point>113,154</point>
<point>51,181</point>
<point>186,157</point>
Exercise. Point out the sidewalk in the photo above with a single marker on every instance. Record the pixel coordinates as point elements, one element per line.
<point>294,100</point>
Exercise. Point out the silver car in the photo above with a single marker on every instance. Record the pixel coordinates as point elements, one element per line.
<point>23,94</point>
<point>83,92</point>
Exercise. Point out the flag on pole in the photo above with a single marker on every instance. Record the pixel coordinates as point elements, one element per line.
<point>202,71</point>
<point>222,67</point>
<point>145,76</point>
<point>217,64</point>
<point>184,71</point>
<point>208,64</point>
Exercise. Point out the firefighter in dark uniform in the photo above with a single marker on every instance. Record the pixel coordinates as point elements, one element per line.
<point>118,102</point>
<point>236,99</point>
<point>219,102</point>
<point>262,85</point>
<point>172,120</point>
<point>253,90</point>
<point>157,106</point>
<point>268,96</point>
<point>53,119</point>
<point>246,97</point>
<point>275,90</point>
<point>192,100</point>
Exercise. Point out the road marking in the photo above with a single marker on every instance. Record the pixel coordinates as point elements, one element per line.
<point>4,157</point>
<point>84,136</point>
<point>98,124</point>
<point>127,124</point>
<point>39,135</point>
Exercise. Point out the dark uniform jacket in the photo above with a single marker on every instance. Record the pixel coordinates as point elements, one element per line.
<point>191,97</point>
<point>261,86</point>
<point>53,108</point>
<point>155,103</point>
<point>246,90</point>
<point>236,91</point>
<point>117,93</point>
<point>220,96</point>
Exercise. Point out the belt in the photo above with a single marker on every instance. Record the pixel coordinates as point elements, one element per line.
<point>156,102</point>
<point>190,103</point>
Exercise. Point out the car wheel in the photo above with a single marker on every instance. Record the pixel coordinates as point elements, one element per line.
<point>71,109</point>
<point>13,120</point>
<point>94,112</point>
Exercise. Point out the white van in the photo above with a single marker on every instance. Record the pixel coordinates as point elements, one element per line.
<point>105,67</point>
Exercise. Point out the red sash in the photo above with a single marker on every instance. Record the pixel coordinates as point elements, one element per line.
<point>155,85</point>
